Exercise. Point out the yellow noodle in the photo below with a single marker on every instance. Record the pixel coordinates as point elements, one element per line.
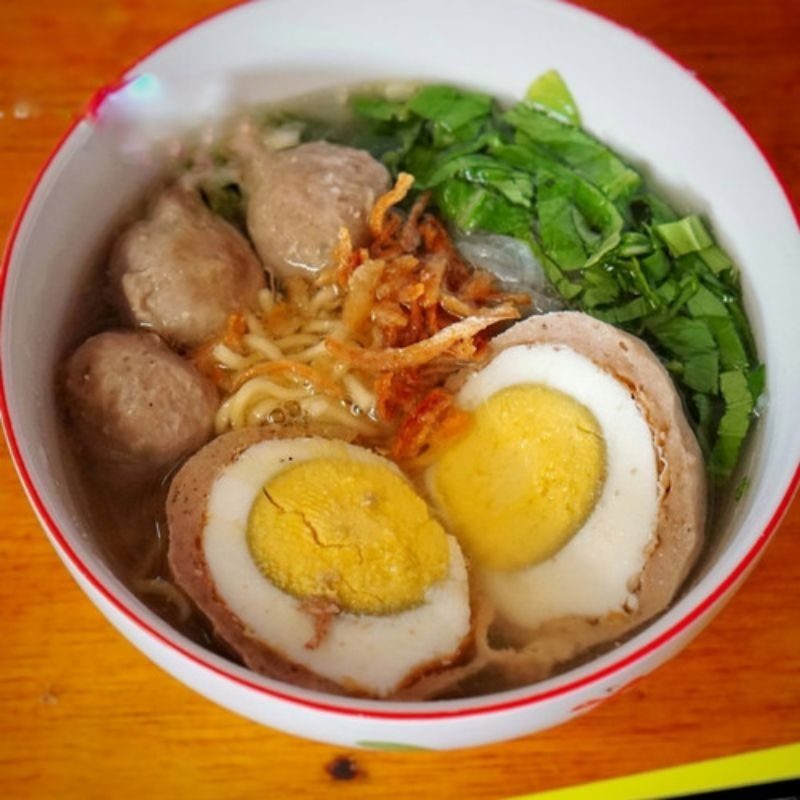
<point>262,411</point>
<point>266,300</point>
<point>158,587</point>
<point>270,336</point>
<point>326,298</point>
<point>228,358</point>
<point>254,325</point>
<point>362,397</point>
<point>264,346</point>
<point>295,340</point>
<point>257,388</point>
<point>222,419</point>
<point>318,350</point>
<point>320,325</point>
<point>324,409</point>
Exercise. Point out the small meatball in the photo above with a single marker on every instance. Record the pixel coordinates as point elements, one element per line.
<point>135,404</point>
<point>183,270</point>
<point>299,199</point>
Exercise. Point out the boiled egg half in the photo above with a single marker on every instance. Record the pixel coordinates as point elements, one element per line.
<point>553,490</point>
<point>326,555</point>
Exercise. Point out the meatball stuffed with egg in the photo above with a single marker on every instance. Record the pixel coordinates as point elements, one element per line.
<point>317,561</point>
<point>578,491</point>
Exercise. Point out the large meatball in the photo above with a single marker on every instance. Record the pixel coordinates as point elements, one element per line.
<point>183,270</point>
<point>299,200</point>
<point>135,404</point>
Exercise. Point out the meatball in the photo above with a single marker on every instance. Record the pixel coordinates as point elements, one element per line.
<point>299,199</point>
<point>136,405</point>
<point>183,270</point>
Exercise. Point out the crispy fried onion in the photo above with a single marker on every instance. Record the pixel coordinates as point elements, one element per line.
<point>457,339</point>
<point>370,342</point>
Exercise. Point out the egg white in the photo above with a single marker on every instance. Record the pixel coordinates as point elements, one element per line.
<point>374,655</point>
<point>597,571</point>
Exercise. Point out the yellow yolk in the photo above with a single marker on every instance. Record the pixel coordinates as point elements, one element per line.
<point>524,478</point>
<point>353,533</point>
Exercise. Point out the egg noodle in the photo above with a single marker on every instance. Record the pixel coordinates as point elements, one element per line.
<point>149,580</point>
<point>367,343</point>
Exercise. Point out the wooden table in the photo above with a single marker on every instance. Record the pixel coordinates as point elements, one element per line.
<point>83,714</point>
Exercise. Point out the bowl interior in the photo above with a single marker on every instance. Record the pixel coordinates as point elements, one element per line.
<point>264,52</point>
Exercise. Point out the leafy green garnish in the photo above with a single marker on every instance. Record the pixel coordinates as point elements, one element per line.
<point>608,245</point>
<point>573,147</point>
<point>734,423</point>
<point>226,200</point>
<point>549,93</point>
<point>449,107</point>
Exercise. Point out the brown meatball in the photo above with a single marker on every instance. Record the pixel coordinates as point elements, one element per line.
<point>299,199</point>
<point>183,270</point>
<point>135,404</point>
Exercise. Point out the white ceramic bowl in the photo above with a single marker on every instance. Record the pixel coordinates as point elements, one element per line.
<point>265,51</point>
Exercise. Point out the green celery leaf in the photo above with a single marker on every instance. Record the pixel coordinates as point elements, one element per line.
<point>692,343</point>
<point>450,106</point>
<point>704,303</point>
<point>716,259</point>
<point>742,324</point>
<point>555,217</point>
<point>686,289</point>
<point>549,93</point>
<point>600,287</point>
<point>646,210</point>
<point>733,425</point>
<point>668,292</point>
<point>602,220</point>
<point>732,354</point>
<point>683,336</point>
<point>379,108</point>
<point>524,154</point>
<point>701,372</point>
<point>577,149</point>
<point>704,419</point>
<point>635,244</point>
<point>576,224</point>
<point>389,144</point>
<point>756,380</point>
<point>444,136</point>
<point>656,266</point>
<point>472,207</point>
<point>686,235</point>
<point>513,184</point>
<point>632,311</point>
<point>634,268</point>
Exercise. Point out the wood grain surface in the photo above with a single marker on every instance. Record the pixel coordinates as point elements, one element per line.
<point>85,715</point>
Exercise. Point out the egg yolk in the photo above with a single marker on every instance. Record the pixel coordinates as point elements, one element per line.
<point>348,532</point>
<point>524,478</point>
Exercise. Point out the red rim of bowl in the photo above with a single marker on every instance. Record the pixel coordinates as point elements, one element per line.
<point>708,603</point>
